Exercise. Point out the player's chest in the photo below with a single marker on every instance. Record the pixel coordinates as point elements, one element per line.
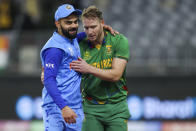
<point>72,50</point>
<point>100,57</point>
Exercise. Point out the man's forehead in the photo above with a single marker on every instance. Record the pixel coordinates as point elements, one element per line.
<point>91,18</point>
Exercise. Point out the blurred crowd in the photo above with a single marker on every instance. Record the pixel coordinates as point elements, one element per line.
<point>34,13</point>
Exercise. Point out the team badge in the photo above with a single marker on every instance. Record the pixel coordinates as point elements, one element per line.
<point>87,55</point>
<point>109,49</point>
<point>68,7</point>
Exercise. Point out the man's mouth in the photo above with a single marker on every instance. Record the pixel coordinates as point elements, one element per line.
<point>72,32</point>
<point>92,36</point>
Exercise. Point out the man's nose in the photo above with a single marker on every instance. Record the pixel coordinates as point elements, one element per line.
<point>74,25</point>
<point>90,30</point>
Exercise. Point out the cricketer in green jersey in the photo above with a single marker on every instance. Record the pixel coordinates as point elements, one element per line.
<point>103,65</point>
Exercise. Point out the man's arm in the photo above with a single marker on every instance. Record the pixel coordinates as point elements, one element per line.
<point>119,62</point>
<point>111,30</point>
<point>114,74</point>
<point>52,59</point>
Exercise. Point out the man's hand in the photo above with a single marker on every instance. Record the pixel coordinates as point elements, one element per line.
<point>69,115</point>
<point>80,66</point>
<point>112,31</point>
<point>42,75</point>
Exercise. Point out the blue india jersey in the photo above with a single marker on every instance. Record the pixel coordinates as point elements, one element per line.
<point>67,80</point>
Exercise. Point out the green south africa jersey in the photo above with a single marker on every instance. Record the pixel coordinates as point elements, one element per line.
<point>95,90</point>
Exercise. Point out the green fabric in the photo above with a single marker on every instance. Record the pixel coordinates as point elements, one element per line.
<point>101,56</point>
<point>108,117</point>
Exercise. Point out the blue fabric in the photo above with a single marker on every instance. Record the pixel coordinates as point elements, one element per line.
<point>65,10</point>
<point>67,80</point>
<point>80,36</point>
<point>53,58</point>
<point>56,122</point>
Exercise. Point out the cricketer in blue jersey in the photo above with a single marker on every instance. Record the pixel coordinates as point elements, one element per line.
<point>62,109</point>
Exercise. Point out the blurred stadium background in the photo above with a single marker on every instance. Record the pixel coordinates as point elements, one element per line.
<point>161,73</point>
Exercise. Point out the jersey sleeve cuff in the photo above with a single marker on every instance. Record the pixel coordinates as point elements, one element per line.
<point>121,57</point>
<point>62,105</point>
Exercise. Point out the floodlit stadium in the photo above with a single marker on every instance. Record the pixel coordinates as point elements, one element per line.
<point>161,71</point>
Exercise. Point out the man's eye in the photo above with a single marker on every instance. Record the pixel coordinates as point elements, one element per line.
<point>69,23</point>
<point>93,27</point>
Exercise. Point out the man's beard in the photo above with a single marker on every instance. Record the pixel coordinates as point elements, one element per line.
<point>98,36</point>
<point>67,34</point>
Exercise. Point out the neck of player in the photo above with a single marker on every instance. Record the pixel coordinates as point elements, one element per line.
<point>99,39</point>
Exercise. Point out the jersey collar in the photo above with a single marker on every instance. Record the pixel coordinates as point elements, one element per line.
<point>61,38</point>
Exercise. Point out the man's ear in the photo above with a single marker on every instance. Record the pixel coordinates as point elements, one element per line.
<point>102,22</point>
<point>57,23</point>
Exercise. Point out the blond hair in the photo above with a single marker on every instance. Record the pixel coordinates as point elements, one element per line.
<point>92,12</point>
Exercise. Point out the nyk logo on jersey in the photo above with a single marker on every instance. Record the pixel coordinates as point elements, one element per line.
<point>49,65</point>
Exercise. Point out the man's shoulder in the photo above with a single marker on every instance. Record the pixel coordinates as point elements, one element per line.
<point>51,42</point>
<point>116,36</point>
<point>120,36</point>
<point>55,43</point>
<point>115,39</point>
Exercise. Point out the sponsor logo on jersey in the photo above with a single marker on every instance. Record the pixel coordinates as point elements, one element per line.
<point>106,63</point>
<point>50,65</point>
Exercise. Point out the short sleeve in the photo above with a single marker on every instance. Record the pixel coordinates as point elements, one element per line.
<point>122,49</point>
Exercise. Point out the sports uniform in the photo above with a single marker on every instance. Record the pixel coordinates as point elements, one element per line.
<point>104,103</point>
<point>61,83</point>
<point>68,84</point>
